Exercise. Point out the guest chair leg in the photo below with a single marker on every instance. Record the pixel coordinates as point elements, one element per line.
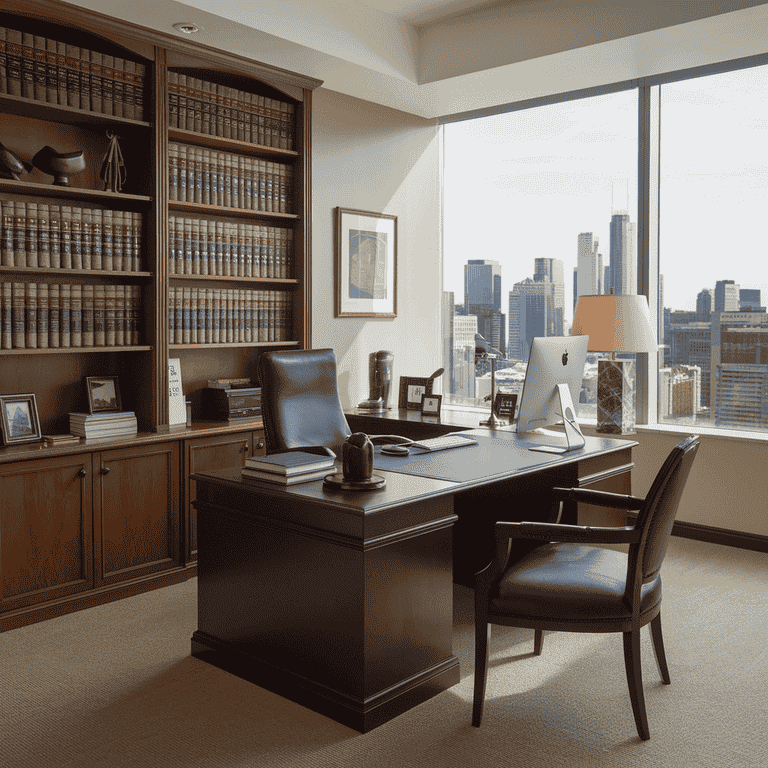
<point>635,682</point>
<point>538,642</point>
<point>658,647</point>
<point>482,641</point>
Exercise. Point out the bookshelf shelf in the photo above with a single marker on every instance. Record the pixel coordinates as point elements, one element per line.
<point>71,350</point>
<point>237,344</point>
<point>114,273</point>
<point>241,147</point>
<point>285,281</point>
<point>222,210</point>
<point>22,187</point>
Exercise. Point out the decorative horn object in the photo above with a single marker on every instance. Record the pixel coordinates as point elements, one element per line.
<point>113,171</point>
<point>11,164</point>
<point>60,165</point>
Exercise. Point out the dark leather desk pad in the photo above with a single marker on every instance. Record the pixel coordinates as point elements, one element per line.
<point>491,456</point>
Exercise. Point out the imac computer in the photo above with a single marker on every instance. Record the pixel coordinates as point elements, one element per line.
<point>552,386</point>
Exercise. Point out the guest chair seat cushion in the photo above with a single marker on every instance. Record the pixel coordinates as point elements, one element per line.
<point>573,583</point>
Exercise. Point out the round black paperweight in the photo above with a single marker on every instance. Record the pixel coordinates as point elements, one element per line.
<point>338,483</point>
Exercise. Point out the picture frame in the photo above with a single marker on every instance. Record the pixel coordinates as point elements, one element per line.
<point>412,388</point>
<point>365,251</point>
<point>505,404</point>
<point>103,394</point>
<point>19,422</point>
<point>430,405</point>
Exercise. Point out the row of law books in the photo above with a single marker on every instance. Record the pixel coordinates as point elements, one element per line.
<point>201,247</point>
<point>212,177</point>
<point>44,69</point>
<point>48,316</point>
<point>288,468</point>
<point>69,237</point>
<point>228,316</point>
<point>103,425</point>
<point>197,105</point>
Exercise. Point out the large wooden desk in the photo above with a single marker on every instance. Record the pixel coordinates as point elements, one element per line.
<point>343,601</point>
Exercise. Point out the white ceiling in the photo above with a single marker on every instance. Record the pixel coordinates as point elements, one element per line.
<point>433,58</point>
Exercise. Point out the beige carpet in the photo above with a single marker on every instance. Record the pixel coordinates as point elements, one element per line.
<point>115,686</point>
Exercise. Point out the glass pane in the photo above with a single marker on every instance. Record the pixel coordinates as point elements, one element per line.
<point>540,205</point>
<point>713,202</point>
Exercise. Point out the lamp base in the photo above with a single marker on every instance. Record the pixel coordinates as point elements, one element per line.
<point>616,397</point>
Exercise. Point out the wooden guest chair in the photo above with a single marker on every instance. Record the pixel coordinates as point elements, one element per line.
<point>569,584</point>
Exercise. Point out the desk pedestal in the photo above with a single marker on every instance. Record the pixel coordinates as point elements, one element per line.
<point>345,613</point>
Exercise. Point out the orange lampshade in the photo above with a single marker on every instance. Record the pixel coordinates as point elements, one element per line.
<point>615,323</point>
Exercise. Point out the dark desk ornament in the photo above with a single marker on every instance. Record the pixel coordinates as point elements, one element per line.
<point>113,172</point>
<point>11,165</point>
<point>60,165</point>
<point>357,466</point>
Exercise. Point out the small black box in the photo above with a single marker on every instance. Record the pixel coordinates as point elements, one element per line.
<point>231,404</point>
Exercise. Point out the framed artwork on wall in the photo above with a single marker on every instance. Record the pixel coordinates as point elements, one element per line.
<point>365,264</point>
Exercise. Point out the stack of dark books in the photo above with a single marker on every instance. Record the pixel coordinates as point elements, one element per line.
<point>103,425</point>
<point>288,468</point>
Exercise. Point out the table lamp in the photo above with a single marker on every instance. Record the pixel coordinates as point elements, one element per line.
<point>615,323</point>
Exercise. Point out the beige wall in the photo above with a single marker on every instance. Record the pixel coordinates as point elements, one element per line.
<point>374,158</point>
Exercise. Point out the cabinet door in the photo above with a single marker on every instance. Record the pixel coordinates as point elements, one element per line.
<point>205,454</point>
<point>136,512</point>
<point>45,530</point>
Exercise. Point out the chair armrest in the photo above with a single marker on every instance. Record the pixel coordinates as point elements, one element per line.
<point>319,450</point>
<point>599,498</point>
<point>389,439</point>
<point>581,534</point>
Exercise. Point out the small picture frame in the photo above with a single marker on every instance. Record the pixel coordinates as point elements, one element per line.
<point>103,394</point>
<point>411,391</point>
<point>430,404</point>
<point>18,419</point>
<point>504,404</point>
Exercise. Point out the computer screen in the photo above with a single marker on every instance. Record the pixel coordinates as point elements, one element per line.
<point>552,360</point>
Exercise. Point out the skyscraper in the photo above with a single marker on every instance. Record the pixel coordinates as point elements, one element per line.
<point>552,270</point>
<point>623,234</point>
<point>531,313</point>
<point>704,305</point>
<point>726,296</point>
<point>482,284</point>
<point>589,267</point>
<point>749,298</point>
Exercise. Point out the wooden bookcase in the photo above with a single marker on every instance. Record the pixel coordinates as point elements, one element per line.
<point>52,105</point>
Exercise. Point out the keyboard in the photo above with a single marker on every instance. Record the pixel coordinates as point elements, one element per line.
<point>444,442</point>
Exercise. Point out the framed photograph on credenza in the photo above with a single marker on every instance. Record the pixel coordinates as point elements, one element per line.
<point>19,422</point>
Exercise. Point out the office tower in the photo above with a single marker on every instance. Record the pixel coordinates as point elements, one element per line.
<point>742,395</point>
<point>749,299</point>
<point>446,316</point>
<point>482,284</point>
<point>623,255</point>
<point>726,296</point>
<point>531,313</point>
<point>690,344</point>
<point>679,391</point>
<point>589,267</point>
<point>463,371</point>
<point>552,270</point>
<point>491,325</point>
<point>704,305</point>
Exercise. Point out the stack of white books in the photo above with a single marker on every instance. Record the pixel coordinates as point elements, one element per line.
<point>288,468</point>
<point>102,425</point>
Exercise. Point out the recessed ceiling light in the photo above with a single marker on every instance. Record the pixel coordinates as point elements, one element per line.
<point>187,27</point>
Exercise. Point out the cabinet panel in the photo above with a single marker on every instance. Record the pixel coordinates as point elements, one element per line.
<point>45,530</point>
<point>136,508</point>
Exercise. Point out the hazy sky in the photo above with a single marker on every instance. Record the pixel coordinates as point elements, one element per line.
<point>525,184</point>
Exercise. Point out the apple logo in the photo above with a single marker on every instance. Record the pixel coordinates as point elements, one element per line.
<point>565,357</point>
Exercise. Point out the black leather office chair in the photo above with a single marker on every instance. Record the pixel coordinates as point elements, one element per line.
<point>571,586</point>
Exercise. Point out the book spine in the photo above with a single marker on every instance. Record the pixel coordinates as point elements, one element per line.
<point>122,315</point>
<point>62,75</point>
<point>14,52</point>
<point>30,316</point>
<point>99,308</point>
<point>248,249</point>
<point>210,235</point>
<point>183,173</point>
<point>86,237</point>
<point>207,106</point>
<point>182,99</point>
<point>108,84</point>
<point>54,235</point>
<point>118,87</point>
<point>107,244</point>
<point>270,252</point>
<point>54,316</point>
<point>219,248</point>
<point>3,61</point>
<point>42,316</point>
<point>173,99</point>
<point>109,315</point>
<point>136,315</point>
<point>27,65</point>
<point>97,240</point>
<point>227,203</point>
<point>43,236</point>
<point>171,314</point>
<point>18,315</point>
<point>208,316</point>
<point>186,315</point>
<point>204,255</point>
<point>178,311</point>
<point>97,81</point>
<point>137,226</point>
<point>196,270</point>
<point>138,91</point>
<point>85,78</point>
<point>6,315</point>
<point>65,314</point>
<point>19,234</point>
<point>221,173</point>
<point>173,172</point>
<point>236,171</point>
<point>230,324</point>
<point>216,324</point>
<point>187,243</point>
<point>7,242</point>
<point>118,242</point>
<point>73,75</point>
<point>51,72</point>
<point>66,236</point>
<point>77,237</point>
<point>32,233</point>
<point>198,317</point>
<point>198,103</point>
<point>205,175</point>
<point>88,315</point>
<point>76,316</point>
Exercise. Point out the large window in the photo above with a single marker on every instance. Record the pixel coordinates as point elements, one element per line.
<point>541,206</point>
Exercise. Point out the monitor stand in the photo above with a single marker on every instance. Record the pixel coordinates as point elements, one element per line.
<point>574,437</point>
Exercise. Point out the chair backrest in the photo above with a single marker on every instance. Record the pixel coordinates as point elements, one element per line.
<point>300,400</point>
<point>657,515</point>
